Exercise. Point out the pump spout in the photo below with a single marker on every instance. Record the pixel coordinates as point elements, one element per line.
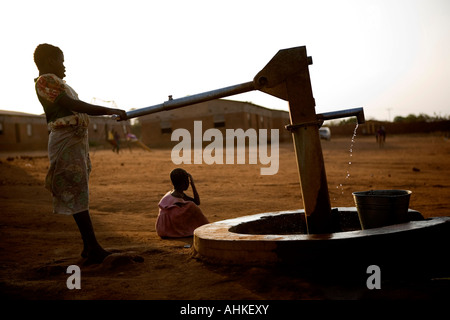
<point>358,112</point>
<point>355,112</point>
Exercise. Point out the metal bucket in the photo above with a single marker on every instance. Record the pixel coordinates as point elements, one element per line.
<point>378,208</point>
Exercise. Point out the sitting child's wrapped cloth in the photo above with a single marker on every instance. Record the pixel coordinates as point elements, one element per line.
<point>178,217</point>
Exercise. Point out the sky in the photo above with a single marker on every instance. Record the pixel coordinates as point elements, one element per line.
<point>391,57</point>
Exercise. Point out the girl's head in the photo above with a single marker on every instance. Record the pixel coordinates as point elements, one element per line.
<point>180,179</point>
<point>50,59</point>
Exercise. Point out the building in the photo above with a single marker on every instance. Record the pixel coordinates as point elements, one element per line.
<point>21,131</point>
<point>157,128</point>
<point>28,132</point>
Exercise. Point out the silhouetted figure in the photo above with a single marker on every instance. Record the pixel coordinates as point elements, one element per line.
<point>68,148</point>
<point>179,214</point>
<point>381,136</point>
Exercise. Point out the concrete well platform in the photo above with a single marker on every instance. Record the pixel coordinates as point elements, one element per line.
<point>248,240</point>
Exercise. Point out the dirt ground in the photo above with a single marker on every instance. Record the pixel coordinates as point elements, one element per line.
<point>37,246</point>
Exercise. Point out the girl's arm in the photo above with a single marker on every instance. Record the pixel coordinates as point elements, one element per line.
<point>194,190</point>
<point>83,107</point>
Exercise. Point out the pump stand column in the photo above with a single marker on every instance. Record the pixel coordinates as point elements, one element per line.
<point>308,150</point>
<point>286,76</point>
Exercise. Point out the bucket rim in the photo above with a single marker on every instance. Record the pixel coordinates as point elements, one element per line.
<point>383,193</point>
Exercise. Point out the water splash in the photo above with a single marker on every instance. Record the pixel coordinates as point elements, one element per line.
<point>351,150</point>
<point>341,186</point>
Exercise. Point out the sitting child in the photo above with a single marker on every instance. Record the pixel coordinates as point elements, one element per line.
<point>179,214</point>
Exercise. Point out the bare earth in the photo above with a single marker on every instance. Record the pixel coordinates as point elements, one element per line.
<point>37,246</point>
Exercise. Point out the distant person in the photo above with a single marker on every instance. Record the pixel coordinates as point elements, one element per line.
<point>68,150</point>
<point>381,136</point>
<point>114,139</point>
<point>111,139</point>
<point>179,214</point>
